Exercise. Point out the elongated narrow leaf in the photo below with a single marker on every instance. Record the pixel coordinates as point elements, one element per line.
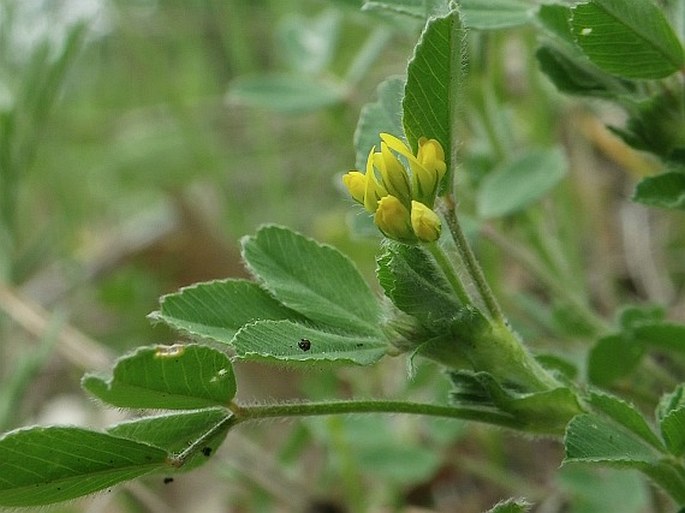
<point>416,286</point>
<point>218,309</point>
<point>384,115</point>
<point>313,279</point>
<point>629,39</point>
<point>171,377</point>
<point>433,80</point>
<point>288,341</point>
<point>518,183</point>
<point>495,14</point>
<point>175,432</point>
<point>666,190</point>
<point>43,465</point>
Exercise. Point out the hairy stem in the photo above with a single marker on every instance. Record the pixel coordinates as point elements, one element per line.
<point>245,413</point>
<point>471,265</point>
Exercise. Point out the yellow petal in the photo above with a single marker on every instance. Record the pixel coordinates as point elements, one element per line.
<point>394,220</point>
<point>356,185</point>
<point>397,145</point>
<point>432,156</point>
<point>394,176</point>
<point>425,222</point>
<point>373,190</point>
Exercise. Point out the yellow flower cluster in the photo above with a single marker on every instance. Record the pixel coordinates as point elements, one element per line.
<point>402,204</point>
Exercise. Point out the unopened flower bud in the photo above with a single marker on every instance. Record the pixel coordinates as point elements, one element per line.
<point>425,222</point>
<point>394,220</point>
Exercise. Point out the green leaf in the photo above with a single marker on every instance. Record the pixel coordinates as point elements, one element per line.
<point>495,14</point>
<point>516,184</point>
<point>555,19</point>
<point>171,377</point>
<point>626,415</point>
<point>433,79</point>
<point>573,76</point>
<point>671,414</point>
<point>292,342</point>
<point>666,190</point>
<point>384,115</point>
<point>174,432</point>
<point>313,279</point>
<point>218,309</point>
<point>613,357</point>
<point>43,465</point>
<point>594,439</point>
<point>286,93</point>
<point>662,335</point>
<point>416,285</point>
<point>629,39</point>
<point>511,506</point>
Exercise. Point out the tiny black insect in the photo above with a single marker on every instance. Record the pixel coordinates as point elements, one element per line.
<point>207,451</point>
<point>304,344</point>
<point>168,480</point>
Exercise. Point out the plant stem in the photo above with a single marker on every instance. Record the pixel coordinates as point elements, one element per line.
<point>448,269</point>
<point>246,413</point>
<point>472,266</point>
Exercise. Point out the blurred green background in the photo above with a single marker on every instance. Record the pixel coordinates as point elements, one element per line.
<point>139,140</point>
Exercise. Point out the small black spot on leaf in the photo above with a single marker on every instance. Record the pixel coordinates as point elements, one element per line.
<point>305,344</point>
<point>207,451</point>
<point>168,480</point>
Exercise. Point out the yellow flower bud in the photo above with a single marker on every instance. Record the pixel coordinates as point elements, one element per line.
<point>424,222</point>
<point>356,185</point>
<point>394,220</point>
<point>394,177</point>
<point>432,156</point>
<point>427,167</point>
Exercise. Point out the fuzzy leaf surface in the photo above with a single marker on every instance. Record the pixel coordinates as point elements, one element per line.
<point>43,465</point>
<point>415,285</point>
<point>629,39</point>
<point>292,342</point>
<point>218,309</point>
<point>174,432</point>
<point>167,377</point>
<point>433,77</point>
<point>313,279</point>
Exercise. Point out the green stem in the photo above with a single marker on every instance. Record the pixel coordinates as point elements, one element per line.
<point>469,259</point>
<point>246,413</point>
<point>448,269</point>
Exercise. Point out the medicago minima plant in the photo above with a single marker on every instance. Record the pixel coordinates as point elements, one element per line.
<point>308,305</point>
